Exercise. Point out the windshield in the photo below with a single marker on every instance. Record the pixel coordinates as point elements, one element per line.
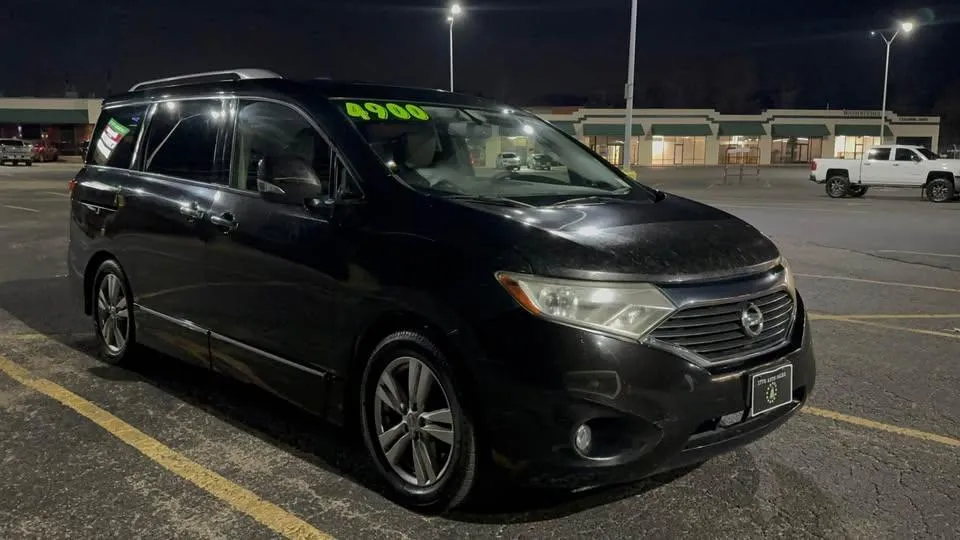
<point>11,142</point>
<point>928,154</point>
<point>447,150</point>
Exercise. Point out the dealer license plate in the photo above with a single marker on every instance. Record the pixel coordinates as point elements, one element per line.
<point>771,389</point>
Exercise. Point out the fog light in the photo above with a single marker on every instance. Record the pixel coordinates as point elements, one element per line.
<point>583,438</point>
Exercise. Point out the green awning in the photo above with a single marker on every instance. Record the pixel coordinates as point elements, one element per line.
<point>681,130</point>
<point>861,130</point>
<point>785,131</point>
<point>566,126</point>
<point>43,116</point>
<point>611,130</point>
<point>744,129</point>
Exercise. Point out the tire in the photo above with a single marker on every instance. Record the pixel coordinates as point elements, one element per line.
<point>857,191</point>
<point>111,283</point>
<point>940,190</point>
<point>454,444</point>
<point>837,186</point>
<point>29,163</point>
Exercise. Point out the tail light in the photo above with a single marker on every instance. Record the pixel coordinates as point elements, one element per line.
<point>813,165</point>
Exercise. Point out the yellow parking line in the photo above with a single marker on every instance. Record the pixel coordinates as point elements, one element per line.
<point>889,428</point>
<point>242,499</point>
<point>874,282</point>
<point>890,327</point>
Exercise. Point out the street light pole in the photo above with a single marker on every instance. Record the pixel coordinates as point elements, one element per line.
<point>451,52</point>
<point>906,27</point>
<point>628,90</point>
<point>455,10</point>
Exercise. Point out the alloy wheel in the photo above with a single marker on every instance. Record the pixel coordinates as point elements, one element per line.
<point>113,314</point>
<point>837,188</point>
<point>413,422</point>
<point>938,192</point>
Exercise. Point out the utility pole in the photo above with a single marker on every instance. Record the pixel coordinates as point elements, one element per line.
<point>628,128</point>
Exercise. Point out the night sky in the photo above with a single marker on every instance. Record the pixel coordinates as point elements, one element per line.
<point>735,55</point>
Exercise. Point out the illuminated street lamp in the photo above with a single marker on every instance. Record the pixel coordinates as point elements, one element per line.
<point>455,11</point>
<point>906,27</point>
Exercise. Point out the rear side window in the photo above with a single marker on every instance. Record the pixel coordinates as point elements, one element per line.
<point>181,140</point>
<point>905,154</point>
<point>115,138</point>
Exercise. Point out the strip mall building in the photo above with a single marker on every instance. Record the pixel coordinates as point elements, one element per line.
<point>674,137</point>
<point>667,137</point>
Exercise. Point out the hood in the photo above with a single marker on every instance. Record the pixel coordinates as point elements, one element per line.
<point>946,164</point>
<point>674,239</point>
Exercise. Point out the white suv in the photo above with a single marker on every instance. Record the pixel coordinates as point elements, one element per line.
<point>508,161</point>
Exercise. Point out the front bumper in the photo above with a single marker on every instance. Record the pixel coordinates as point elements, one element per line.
<point>655,411</point>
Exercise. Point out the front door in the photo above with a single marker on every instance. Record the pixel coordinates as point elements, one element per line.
<point>274,270</point>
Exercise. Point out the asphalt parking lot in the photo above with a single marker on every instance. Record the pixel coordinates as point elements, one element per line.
<point>162,450</point>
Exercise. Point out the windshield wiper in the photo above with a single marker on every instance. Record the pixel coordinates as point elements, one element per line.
<point>591,198</point>
<point>489,199</point>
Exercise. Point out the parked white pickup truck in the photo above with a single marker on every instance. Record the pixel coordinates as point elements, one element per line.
<point>897,166</point>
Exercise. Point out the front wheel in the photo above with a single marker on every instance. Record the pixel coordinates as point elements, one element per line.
<point>857,191</point>
<point>837,186</point>
<point>415,425</point>
<point>940,190</point>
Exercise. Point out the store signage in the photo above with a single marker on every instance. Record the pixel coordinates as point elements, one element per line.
<point>861,114</point>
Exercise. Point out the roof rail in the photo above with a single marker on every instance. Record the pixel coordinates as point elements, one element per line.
<point>209,76</point>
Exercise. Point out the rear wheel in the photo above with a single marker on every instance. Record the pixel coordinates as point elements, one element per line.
<point>415,426</point>
<point>857,191</point>
<point>113,313</point>
<point>940,190</point>
<point>836,186</point>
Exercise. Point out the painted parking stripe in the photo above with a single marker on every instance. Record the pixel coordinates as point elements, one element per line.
<point>875,282</point>
<point>880,426</point>
<point>928,254</point>
<point>25,209</point>
<point>891,327</point>
<point>279,520</point>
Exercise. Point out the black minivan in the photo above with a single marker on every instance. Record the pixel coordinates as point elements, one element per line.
<point>354,249</point>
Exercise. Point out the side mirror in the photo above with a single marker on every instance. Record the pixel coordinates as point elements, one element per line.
<point>265,175</point>
<point>285,189</point>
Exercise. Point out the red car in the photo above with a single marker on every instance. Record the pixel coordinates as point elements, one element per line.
<point>43,150</point>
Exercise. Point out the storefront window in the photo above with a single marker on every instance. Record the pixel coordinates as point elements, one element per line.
<point>846,147</point>
<point>739,150</point>
<point>611,148</point>
<point>796,149</point>
<point>679,150</point>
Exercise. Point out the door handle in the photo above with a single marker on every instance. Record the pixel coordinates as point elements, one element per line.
<point>225,221</point>
<point>896,164</point>
<point>191,210</point>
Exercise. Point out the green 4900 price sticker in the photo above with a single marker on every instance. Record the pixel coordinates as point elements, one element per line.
<point>376,111</point>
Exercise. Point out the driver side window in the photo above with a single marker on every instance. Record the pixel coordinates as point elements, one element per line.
<point>276,137</point>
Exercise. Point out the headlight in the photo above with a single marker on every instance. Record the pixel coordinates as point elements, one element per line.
<point>629,310</point>
<point>788,274</point>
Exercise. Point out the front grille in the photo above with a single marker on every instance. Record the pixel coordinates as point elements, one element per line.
<point>715,332</point>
